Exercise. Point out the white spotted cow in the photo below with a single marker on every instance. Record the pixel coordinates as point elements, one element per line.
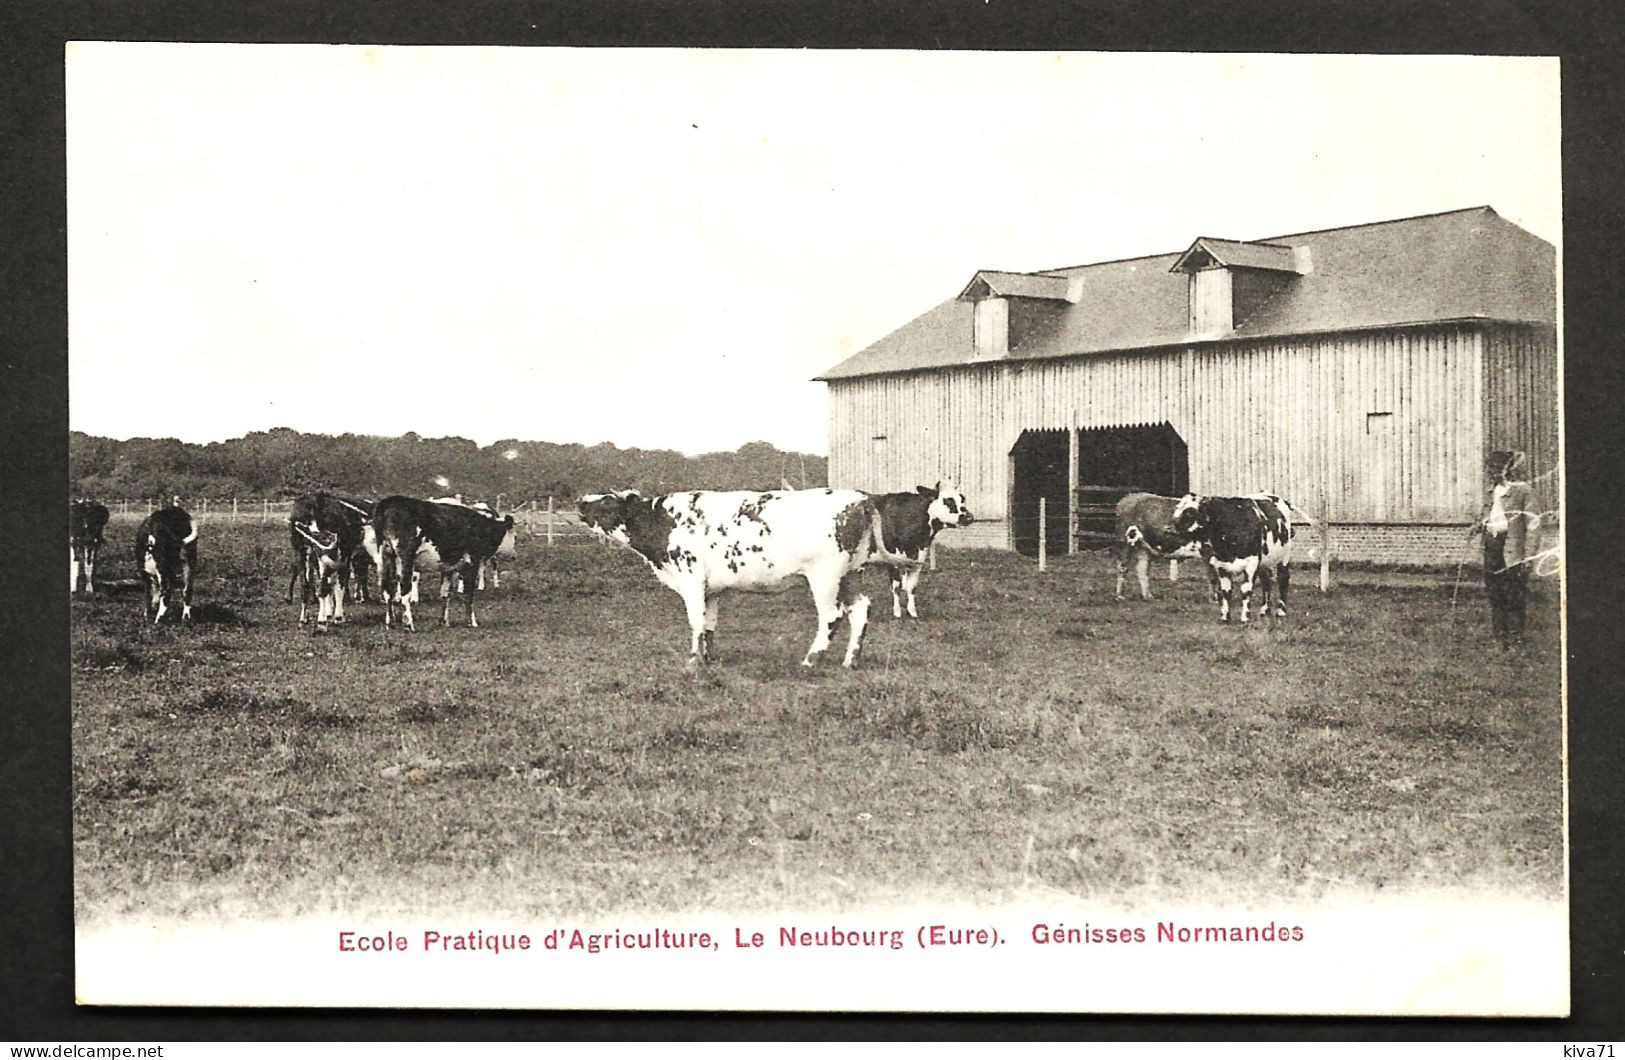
<point>86,522</point>
<point>166,557</point>
<point>705,544</point>
<point>909,523</point>
<point>1145,528</point>
<point>1245,538</point>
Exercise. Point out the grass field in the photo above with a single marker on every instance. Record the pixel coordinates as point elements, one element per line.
<point>1029,732</point>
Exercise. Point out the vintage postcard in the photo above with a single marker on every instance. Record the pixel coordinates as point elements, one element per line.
<point>816,530</point>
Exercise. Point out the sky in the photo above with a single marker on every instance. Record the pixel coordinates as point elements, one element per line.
<point>662,248</point>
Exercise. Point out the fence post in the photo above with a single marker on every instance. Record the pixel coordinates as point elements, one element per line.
<point>1043,537</point>
<point>550,519</point>
<point>1325,554</point>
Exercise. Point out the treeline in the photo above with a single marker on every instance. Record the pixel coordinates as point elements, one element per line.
<point>285,463</point>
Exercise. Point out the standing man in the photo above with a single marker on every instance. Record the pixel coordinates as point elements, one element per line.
<point>1506,523</point>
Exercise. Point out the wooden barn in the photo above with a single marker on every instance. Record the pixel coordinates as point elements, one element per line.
<point>1362,373</point>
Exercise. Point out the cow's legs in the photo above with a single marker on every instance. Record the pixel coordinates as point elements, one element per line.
<point>470,585</point>
<point>297,575</point>
<point>1142,572</point>
<point>90,571</point>
<point>708,639</point>
<point>186,588</point>
<point>896,574</point>
<point>1264,583</point>
<point>1248,572</point>
<point>696,606</point>
<point>911,578</point>
<point>856,607</point>
<point>1283,577</point>
<point>826,591</point>
<point>73,570</point>
<point>1224,596</point>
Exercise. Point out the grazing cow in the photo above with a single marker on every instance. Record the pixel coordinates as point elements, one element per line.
<point>1244,538</point>
<point>320,516</point>
<point>462,539</point>
<point>909,523</point>
<point>166,556</point>
<point>1145,528</point>
<point>86,522</point>
<point>704,544</point>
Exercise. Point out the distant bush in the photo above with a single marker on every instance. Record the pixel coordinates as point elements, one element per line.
<point>285,463</point>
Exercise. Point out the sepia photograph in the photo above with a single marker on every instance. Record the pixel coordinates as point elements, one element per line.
<point>829,531</point>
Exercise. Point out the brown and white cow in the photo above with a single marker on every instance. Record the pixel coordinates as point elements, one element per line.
<point>1145,528</point>
<point>1245,539</point>
<point>461,538</point>
<point>166,557</point>
<point>909,524</point>
<point>703,545</point>
<point>87,521</point>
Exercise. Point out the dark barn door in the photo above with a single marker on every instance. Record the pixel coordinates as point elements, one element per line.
<point>1038,465</point>
<point>1116,461</point>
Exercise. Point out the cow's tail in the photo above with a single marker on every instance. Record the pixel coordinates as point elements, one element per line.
<point>877,532</point>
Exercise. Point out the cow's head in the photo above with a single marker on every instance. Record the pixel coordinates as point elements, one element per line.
<point>1190,515</point>
<point>605,513</point>
<point>947,507</point>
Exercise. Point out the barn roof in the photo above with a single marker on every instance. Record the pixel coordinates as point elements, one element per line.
<point>1277,257</point>
<point>1464,265</point>
<point>1016,284</point>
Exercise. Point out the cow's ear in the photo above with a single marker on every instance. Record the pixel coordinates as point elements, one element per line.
<point>925,491</point>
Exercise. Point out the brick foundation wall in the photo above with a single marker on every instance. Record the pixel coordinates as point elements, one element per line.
<point>984,533</point>
<point>1399,544</point>
<point>1410,544</point>
<point>1402,544</point>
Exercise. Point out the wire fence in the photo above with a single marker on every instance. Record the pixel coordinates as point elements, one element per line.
<point>539,519</point>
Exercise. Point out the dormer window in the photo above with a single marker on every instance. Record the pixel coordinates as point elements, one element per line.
<point>1009,304</point>
<point>1230,280</point>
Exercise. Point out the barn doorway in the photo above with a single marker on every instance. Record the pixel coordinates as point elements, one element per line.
<point>1110,462</point>
<point>1116,461</point>
<point>1038,468</point>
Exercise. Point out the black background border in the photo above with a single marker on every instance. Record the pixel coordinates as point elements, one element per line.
<point>36,919</point>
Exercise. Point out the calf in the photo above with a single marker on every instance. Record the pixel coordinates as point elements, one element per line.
<point>461,538</point>
<point>909,522</point>
<point>337,529</point>
<point>704,544</point>
<point>86,522</point>
<point>166,556</point>
<point>1243,537</point>
<point>1145,528</point>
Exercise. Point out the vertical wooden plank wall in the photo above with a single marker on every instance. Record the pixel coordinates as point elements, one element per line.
<point>1289,416</point>
<point>1522,403</point>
